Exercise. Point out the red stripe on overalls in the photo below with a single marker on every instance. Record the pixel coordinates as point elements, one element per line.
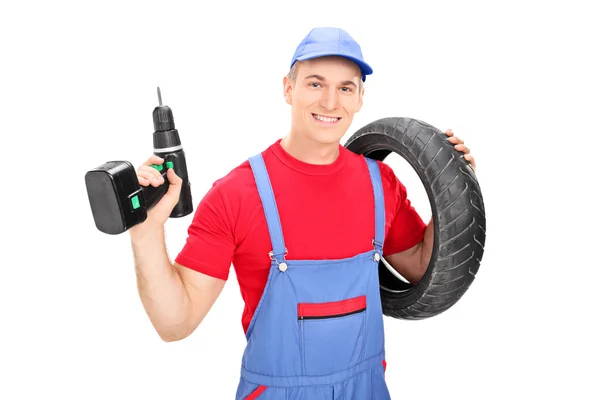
<point>259,390</point>
<point>332,309</point>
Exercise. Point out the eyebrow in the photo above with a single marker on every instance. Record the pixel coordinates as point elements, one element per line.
<point>320,78</point>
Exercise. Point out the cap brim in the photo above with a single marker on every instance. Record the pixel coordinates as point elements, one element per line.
<point>364,67</point>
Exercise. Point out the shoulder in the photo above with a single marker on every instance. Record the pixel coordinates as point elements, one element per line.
<point>234,186</point>
<point>391,183</point>
<point>240,174</point>
<point>226,202</point>
<point>392,186</point>
<point>237,185</point>
<point>388,176</point>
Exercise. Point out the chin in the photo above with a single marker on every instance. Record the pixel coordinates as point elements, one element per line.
<point>329,137</point>
<point>327,134</point>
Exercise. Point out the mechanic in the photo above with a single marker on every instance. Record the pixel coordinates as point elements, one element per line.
<point>304,224</point>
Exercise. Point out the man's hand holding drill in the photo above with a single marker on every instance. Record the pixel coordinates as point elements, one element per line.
<point>159,214</point>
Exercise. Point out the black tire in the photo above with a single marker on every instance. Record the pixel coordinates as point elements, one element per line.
<point>457,210</point>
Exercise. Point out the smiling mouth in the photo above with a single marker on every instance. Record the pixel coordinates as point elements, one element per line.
<point>324,119</point>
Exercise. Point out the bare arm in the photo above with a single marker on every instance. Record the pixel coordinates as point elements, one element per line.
<point>412,263</point>
<point>175,298</point>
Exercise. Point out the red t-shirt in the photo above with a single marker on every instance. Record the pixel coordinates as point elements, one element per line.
<point>326,212</point>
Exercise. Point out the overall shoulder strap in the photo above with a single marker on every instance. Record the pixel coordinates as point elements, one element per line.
<point>375,173</point>
<point>265,190</point>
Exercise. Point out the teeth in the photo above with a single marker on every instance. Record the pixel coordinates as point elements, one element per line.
<point>325,119</point>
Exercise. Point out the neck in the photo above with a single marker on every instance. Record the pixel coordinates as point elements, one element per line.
<point>310,151</point>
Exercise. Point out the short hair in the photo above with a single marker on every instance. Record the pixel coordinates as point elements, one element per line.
<point>293,73</point>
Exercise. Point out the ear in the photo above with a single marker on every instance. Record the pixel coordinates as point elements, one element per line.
<point>360,99</point>
<point>287,90</point>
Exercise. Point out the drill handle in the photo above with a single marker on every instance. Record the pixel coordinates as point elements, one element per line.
<point>176,160</point>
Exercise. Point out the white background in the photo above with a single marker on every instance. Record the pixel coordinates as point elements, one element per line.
<point>517,80</point>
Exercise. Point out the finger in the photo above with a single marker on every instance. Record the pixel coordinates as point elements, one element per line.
<point>175,183</point>
<point>148,169</point>
<point>153,176</point>
<point>449,132</point>
<point>143,181</point>
<point>463,148</point>
<point>471,160</point>
<point>154,159</point>
<point>454,139</point>
<point>146,176</point>
<point>173,177</point>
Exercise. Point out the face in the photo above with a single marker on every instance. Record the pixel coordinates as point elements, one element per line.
<point>324,98</point>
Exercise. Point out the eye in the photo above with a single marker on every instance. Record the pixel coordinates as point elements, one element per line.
<point>347,89</point>
<point>314,84</point>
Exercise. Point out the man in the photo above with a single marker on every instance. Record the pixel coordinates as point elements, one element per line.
<point>304,224</point>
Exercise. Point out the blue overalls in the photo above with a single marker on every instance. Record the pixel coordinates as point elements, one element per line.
<point>317,332</point>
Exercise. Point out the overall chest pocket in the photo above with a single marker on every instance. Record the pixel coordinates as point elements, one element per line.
<point>332,335</point>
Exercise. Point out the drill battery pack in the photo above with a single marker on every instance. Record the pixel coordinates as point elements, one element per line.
<point>116,198</point>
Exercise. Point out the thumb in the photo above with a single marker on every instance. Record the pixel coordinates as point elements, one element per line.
<point>175,183</point>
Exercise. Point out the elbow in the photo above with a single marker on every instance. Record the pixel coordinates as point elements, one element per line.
<point>419,268</point>
<point>168,336</point>
<point>415,279</point>
<point>173,333</point>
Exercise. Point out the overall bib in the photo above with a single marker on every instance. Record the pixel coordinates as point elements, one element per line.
<point>317,333</point>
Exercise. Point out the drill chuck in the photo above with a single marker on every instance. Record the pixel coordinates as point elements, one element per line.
<point>163,116</point>
<point>166,137</point>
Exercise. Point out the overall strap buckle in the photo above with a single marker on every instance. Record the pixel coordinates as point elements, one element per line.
<point>276,257</point>
<point>378,246</point>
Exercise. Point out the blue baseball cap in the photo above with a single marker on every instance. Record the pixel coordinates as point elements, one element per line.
<point>328,41</point>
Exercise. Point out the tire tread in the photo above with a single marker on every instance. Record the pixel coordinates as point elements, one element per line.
<point>457,205</point>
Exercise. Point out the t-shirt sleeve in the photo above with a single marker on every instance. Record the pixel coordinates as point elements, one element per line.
<point>210,244</point>
<point>407,227</point>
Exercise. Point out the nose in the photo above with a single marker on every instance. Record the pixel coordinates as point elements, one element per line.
<point>330,99</point>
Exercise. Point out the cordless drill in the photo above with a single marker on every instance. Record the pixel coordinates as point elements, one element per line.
<point>118,201</point>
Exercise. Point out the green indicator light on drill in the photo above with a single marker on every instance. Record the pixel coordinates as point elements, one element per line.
<point>169,164</point>
<point>135,202</point>
<point>157,167</point>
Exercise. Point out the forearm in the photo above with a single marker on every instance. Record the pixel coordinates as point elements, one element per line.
<point>160,287</point>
